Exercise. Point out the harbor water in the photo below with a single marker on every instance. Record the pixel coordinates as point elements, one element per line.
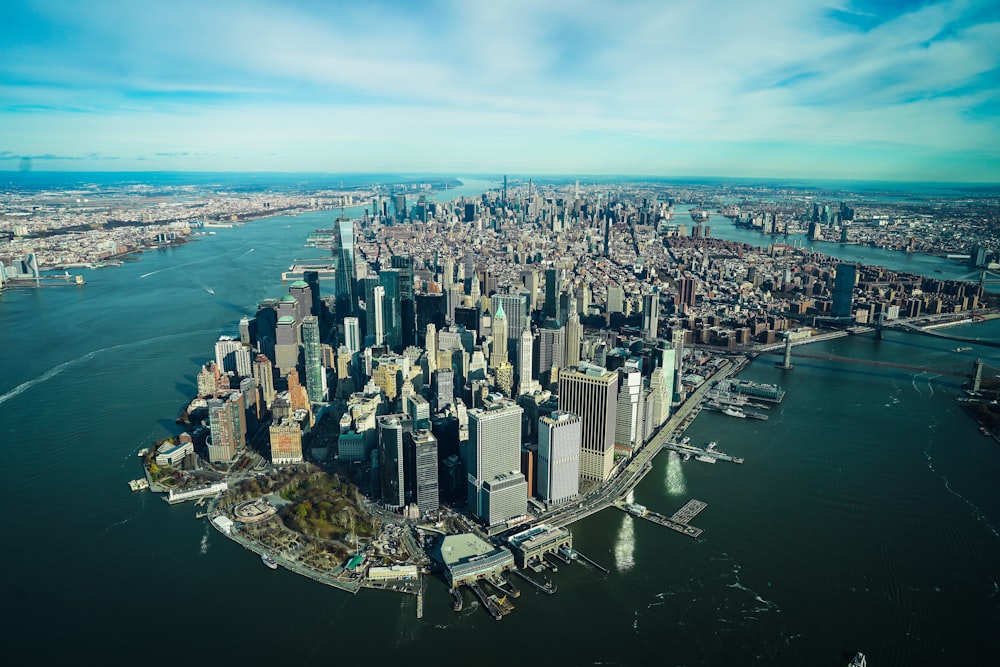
<point>866,515</point>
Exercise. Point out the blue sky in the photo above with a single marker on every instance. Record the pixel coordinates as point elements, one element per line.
<point>786,88</point>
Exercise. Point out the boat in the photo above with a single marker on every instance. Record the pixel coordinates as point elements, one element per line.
<point>705,459</point>
<point>210,290</point>
<point>687,456</point>
<point>734,412</point>
<point>858,661</point>
<point>712,445</point>
<point>983,430</point>
<point>699,215</point>
<point>270,562</point>
<point>962,349</point>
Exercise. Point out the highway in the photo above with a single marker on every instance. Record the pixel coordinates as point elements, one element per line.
<point>626,479</point>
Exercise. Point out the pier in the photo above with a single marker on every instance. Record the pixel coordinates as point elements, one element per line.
<point>711,452</point>
<point>678,521</point>
<point>548,588</point>
<point>591,562</point>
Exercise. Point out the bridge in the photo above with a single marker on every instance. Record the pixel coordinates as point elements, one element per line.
<point>883,364</point>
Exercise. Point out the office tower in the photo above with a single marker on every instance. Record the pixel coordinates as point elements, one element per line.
<point>551,346</point>
<point>651,314</point>
<point>248,331</point>
<point>498,352</point>
<point>286,346</point>
<point>392,459</point>
<point>454,300</point>
<point>497,489</point>
<point>524,352</point>
<point>559,439</point>
<point>419,410</point>
<point>469,318</point>
<point>315,374</point>
<point>447,273</point>
<point>303,299</point>
<point>616,299</point>
<point>376,316</point>
<point>551,306</point>
<point>607,235</point>
<point>582,298</point>
<point>227,428</point>
<point>263,375</point>
<point>232,356</point>
<point>430,350</point>
<point>685,294</point>
<point>843,290</point>
<point>469,213</point>
<point>590,392</point>
<point>407,304</point>
<point>574,339</point>
<point>516,312</point>
<point>389,279</point>
<point>503,378</point>
<point>352,335</point>
<point>286,442</point>
<point>661,383</point>
<point>399,204</point>
<point>529,279</point>
<point>629,426</point>
<point>425,454</point>
<point>343,253</point>
<point>443,387</point>
<point>432,309</point>
<point>312,279</point>
<point>267,324</point>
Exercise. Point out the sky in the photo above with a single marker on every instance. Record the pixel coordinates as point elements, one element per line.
<point>894,90</point>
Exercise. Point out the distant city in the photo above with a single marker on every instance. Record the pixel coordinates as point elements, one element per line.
<point>450,384</point>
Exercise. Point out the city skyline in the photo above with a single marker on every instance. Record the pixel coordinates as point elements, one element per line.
<point>886,91</point>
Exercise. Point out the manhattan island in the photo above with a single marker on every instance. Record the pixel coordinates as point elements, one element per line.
<point>488,371</point>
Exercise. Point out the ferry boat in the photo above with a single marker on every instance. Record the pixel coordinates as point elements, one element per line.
<point>962,349</point>
<point>734,412</point>
<point>859,660</point>
<point>705,459</point>
<point>270,562</point>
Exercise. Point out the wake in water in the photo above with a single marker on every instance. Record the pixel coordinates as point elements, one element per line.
<point>977,513</point>
<point>56,370</point>
<point>204,541</point>
<point>674,480</point>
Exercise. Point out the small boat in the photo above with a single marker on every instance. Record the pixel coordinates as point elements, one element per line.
<point>705,459</point>
<point>210,290</point>
<point>962,349</point>
<point>270,562</point>
<point>858,661</point>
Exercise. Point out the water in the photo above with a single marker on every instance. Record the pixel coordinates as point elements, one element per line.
<point>865,517</point>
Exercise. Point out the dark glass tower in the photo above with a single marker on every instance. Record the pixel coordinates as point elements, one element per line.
<point>343,253</point>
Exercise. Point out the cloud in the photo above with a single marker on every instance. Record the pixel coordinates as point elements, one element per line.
<point>516,80</point>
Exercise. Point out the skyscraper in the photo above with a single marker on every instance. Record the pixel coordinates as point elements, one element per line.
<point>407,304</point>
<point>559,441</point>
<point>390,279</point>
<point>497,489</point>
<point>227,428</point>
<point>352,335</point>
<point>629,425</point>
<point>392,459</point>
<point>574,338</point>
<point>524,351</point>
<point>843,290</point>
<point>263,375</point>
<point>286,442</point>
<point>551,306</point>
<point>685,294</point>
<point>425,456</point>
<point>315,374</point>
<point>651,314</point>
<point>551,346</point>
<point>344,264</point>
<point>498,352</point>
<point>590,392</point>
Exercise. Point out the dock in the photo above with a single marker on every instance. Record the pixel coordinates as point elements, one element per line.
<point>710,452</point>
<point>591,562</point>
<point>678,521</point>
<point>548,587</point>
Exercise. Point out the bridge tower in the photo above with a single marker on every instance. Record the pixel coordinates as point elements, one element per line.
<point>879,319</point>
<point>977,374</point>
<point>787,364</point>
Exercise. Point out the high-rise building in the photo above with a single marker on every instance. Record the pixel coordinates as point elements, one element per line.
<point>407,304</point>
<point>685,294</point>
<point>443,387</point>
<point>315,374</point>
<point>343,252</point>
<point>497,489</point>
<point>498,352</point>
<point>227,427</point>
<point>843,290</point>
<point>389,279</point>
<point>525,384</point>
<point>590,392</point>
<point>629,425</point>
<point>263,375</point>
<point>232,356</point>
<point>515,309</point>
<point>286,442</point>
<point>303,299</point>
<point>574,339</point>
<point>651,314</point>
<point>616,299</point>
<point>559,441</point>
<point>425,456</point>
<point>352,335</point>
<point>551,346</point>
<point>392,459</point>
<point>312,279</point>
<point>551,306</point>
<point>286,346</point>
